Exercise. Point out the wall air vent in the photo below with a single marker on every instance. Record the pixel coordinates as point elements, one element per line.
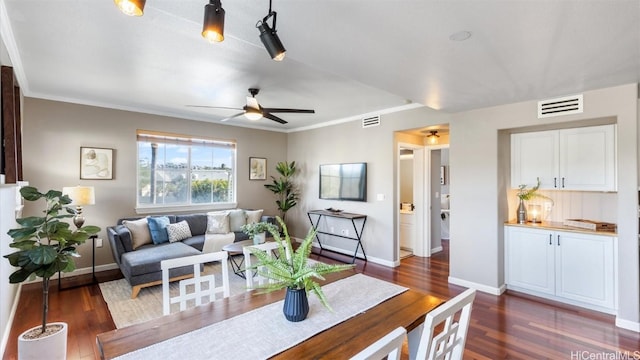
<point>371,121</point>
<point>560,106</point>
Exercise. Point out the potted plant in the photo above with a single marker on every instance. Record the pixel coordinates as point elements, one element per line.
<point>525,194</point>
<point>257,231</point>
<point>46,245</point>
<point>284,188</point>
<point>295,273</point>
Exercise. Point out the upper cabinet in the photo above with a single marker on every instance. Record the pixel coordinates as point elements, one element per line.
<point>568,159</point>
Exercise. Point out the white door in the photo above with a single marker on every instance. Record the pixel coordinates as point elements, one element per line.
<point>530,259</point>
<point>588,158</point>
<point>421,241</point>
<point>534,156</point>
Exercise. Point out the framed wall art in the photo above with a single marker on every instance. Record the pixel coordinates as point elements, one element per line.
<point>96,163</point>
<point>257,168</point>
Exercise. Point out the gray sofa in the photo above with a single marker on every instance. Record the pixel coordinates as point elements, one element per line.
<point>141,266</point>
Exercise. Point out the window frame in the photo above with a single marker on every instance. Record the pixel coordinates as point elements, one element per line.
<point>188,140</point>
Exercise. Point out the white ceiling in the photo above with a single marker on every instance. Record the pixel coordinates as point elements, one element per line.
<point>345,58</point>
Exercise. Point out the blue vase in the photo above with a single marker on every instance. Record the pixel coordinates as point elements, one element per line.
<point>296,305</point>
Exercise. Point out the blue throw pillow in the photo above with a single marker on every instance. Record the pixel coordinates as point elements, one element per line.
<point>158,229</point>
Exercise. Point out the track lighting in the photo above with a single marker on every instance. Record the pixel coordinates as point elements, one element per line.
<point>269,36</point>
<point>213,25</point>
<point>131,7</point>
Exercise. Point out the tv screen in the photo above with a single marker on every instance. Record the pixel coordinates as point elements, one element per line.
<point>343,181</point>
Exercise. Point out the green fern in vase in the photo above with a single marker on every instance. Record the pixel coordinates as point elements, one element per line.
<point>528,194</point>
<point>295,272</point>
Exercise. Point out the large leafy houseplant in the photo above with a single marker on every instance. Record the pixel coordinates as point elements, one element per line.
<point>294,272</point>
<point>46,244</point>
<point>284,188</point>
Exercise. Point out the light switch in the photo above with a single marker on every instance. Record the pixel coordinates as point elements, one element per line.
<point>380,197</point>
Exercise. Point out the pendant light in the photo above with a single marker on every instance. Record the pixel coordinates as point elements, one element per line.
<point>131,7</point>
<point>213,25</point>
<point>269,36</point>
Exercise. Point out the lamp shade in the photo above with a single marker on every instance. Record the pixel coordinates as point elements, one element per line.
<point>80,195</point>
<point>131,7</point>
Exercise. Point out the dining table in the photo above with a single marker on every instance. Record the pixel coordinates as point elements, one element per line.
<point>343,340</point>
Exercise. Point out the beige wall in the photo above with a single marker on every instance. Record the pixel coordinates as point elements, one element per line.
<point>54,131</point>
<point>480,184</point>
<point>349,142</point>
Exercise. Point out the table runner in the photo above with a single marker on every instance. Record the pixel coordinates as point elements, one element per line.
<point>264,332</point>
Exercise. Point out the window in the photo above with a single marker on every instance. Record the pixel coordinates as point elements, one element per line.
<point>179,170</point>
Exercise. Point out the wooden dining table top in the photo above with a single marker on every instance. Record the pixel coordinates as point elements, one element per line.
<point>343,340</point>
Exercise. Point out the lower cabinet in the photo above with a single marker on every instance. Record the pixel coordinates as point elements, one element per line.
<point>572,267</point>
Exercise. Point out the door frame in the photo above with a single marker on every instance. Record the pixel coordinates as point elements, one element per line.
<point>421,242</point>
<point>431,189</point>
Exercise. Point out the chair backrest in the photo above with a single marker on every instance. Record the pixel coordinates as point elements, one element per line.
<point>448,343</point>
<point>389,346</point>
<point>252,277</point>
<point>199,287</point>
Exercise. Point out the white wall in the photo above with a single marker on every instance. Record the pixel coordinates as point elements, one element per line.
<point>480,185</point>
<point>7,291</point>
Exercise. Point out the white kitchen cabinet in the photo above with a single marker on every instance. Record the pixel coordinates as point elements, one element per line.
<point>406,230</point>
<point>568,159</point>
<point>572,267</point>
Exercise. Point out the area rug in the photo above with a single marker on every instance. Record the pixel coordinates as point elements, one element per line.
<point>126,311</point>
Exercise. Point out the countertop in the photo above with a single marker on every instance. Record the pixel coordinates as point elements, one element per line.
<point>558,226</point>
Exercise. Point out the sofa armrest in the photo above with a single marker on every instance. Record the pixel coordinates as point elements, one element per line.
<point>119,237</point>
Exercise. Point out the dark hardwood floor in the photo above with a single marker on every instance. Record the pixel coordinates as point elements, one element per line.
<point>511,326</point>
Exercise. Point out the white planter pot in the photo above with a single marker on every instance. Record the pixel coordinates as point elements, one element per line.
<point>259,238</point>
<point>52,347</point>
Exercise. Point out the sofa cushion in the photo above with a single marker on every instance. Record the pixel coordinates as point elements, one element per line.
<point>253,216</point>
<point>197,222</point>
<point>237,218</point>
<point>178,231</point>
<point>139,230</point>
<point>196,241</point>
<point>148,261</point>
<point>158,229</point>
<point>218,222</point>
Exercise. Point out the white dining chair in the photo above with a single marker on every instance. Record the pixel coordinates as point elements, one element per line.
<point>199,289</point>
<point>389,347</point>
<point>449,342</point>
<point>252,277</point>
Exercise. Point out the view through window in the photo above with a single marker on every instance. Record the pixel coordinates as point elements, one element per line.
<point>183,170</point>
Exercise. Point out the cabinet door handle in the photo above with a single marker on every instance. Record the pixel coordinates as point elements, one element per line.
<point>563,182</point>
<point>550,239</point>
<point>558,240</point>
<point>555,182</point>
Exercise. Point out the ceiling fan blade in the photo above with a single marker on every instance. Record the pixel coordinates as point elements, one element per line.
<point>279,110</point>
<point>234,116</point>
<point>274,118</point>
<point>214,107</point>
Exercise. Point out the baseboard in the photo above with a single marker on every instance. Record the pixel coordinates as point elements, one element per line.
<point>480,287</point>
<point>9,324</point>
<point>81,271</point>
<point>370,258</point>
<point>627,324</point>
<point>436,249</point>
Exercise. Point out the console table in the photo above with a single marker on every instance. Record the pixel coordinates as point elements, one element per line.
<point>319,214</point>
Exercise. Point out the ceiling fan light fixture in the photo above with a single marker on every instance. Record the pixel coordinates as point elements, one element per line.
<point>432,138</point>
<point>131,7</point>
<point>253,114</point>
<point>213,25</point>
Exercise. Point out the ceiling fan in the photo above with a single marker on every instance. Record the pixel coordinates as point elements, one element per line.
<point>254,111</point>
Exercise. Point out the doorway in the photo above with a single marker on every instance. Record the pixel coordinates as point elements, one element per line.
<point>412,206</point>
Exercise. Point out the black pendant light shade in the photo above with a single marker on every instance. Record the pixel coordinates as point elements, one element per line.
<point>213,25</point>
<point>270,40</point>
<point>131,7</point>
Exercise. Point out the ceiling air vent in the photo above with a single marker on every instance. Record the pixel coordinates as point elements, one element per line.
<point>560,106</point>
<point>371,121</point>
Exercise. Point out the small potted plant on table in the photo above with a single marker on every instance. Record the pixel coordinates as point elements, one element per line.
<point>295,272</point>
<point>46,245</point>
<point>257,231</point>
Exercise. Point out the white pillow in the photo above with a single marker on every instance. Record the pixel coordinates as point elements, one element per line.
<point>237,218</point>
<point>254,216</point>
<point>218,222</point>
<point>139,230</point>
<point>178,231</point>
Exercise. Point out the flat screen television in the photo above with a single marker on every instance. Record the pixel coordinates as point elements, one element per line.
<point>343,182</point>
